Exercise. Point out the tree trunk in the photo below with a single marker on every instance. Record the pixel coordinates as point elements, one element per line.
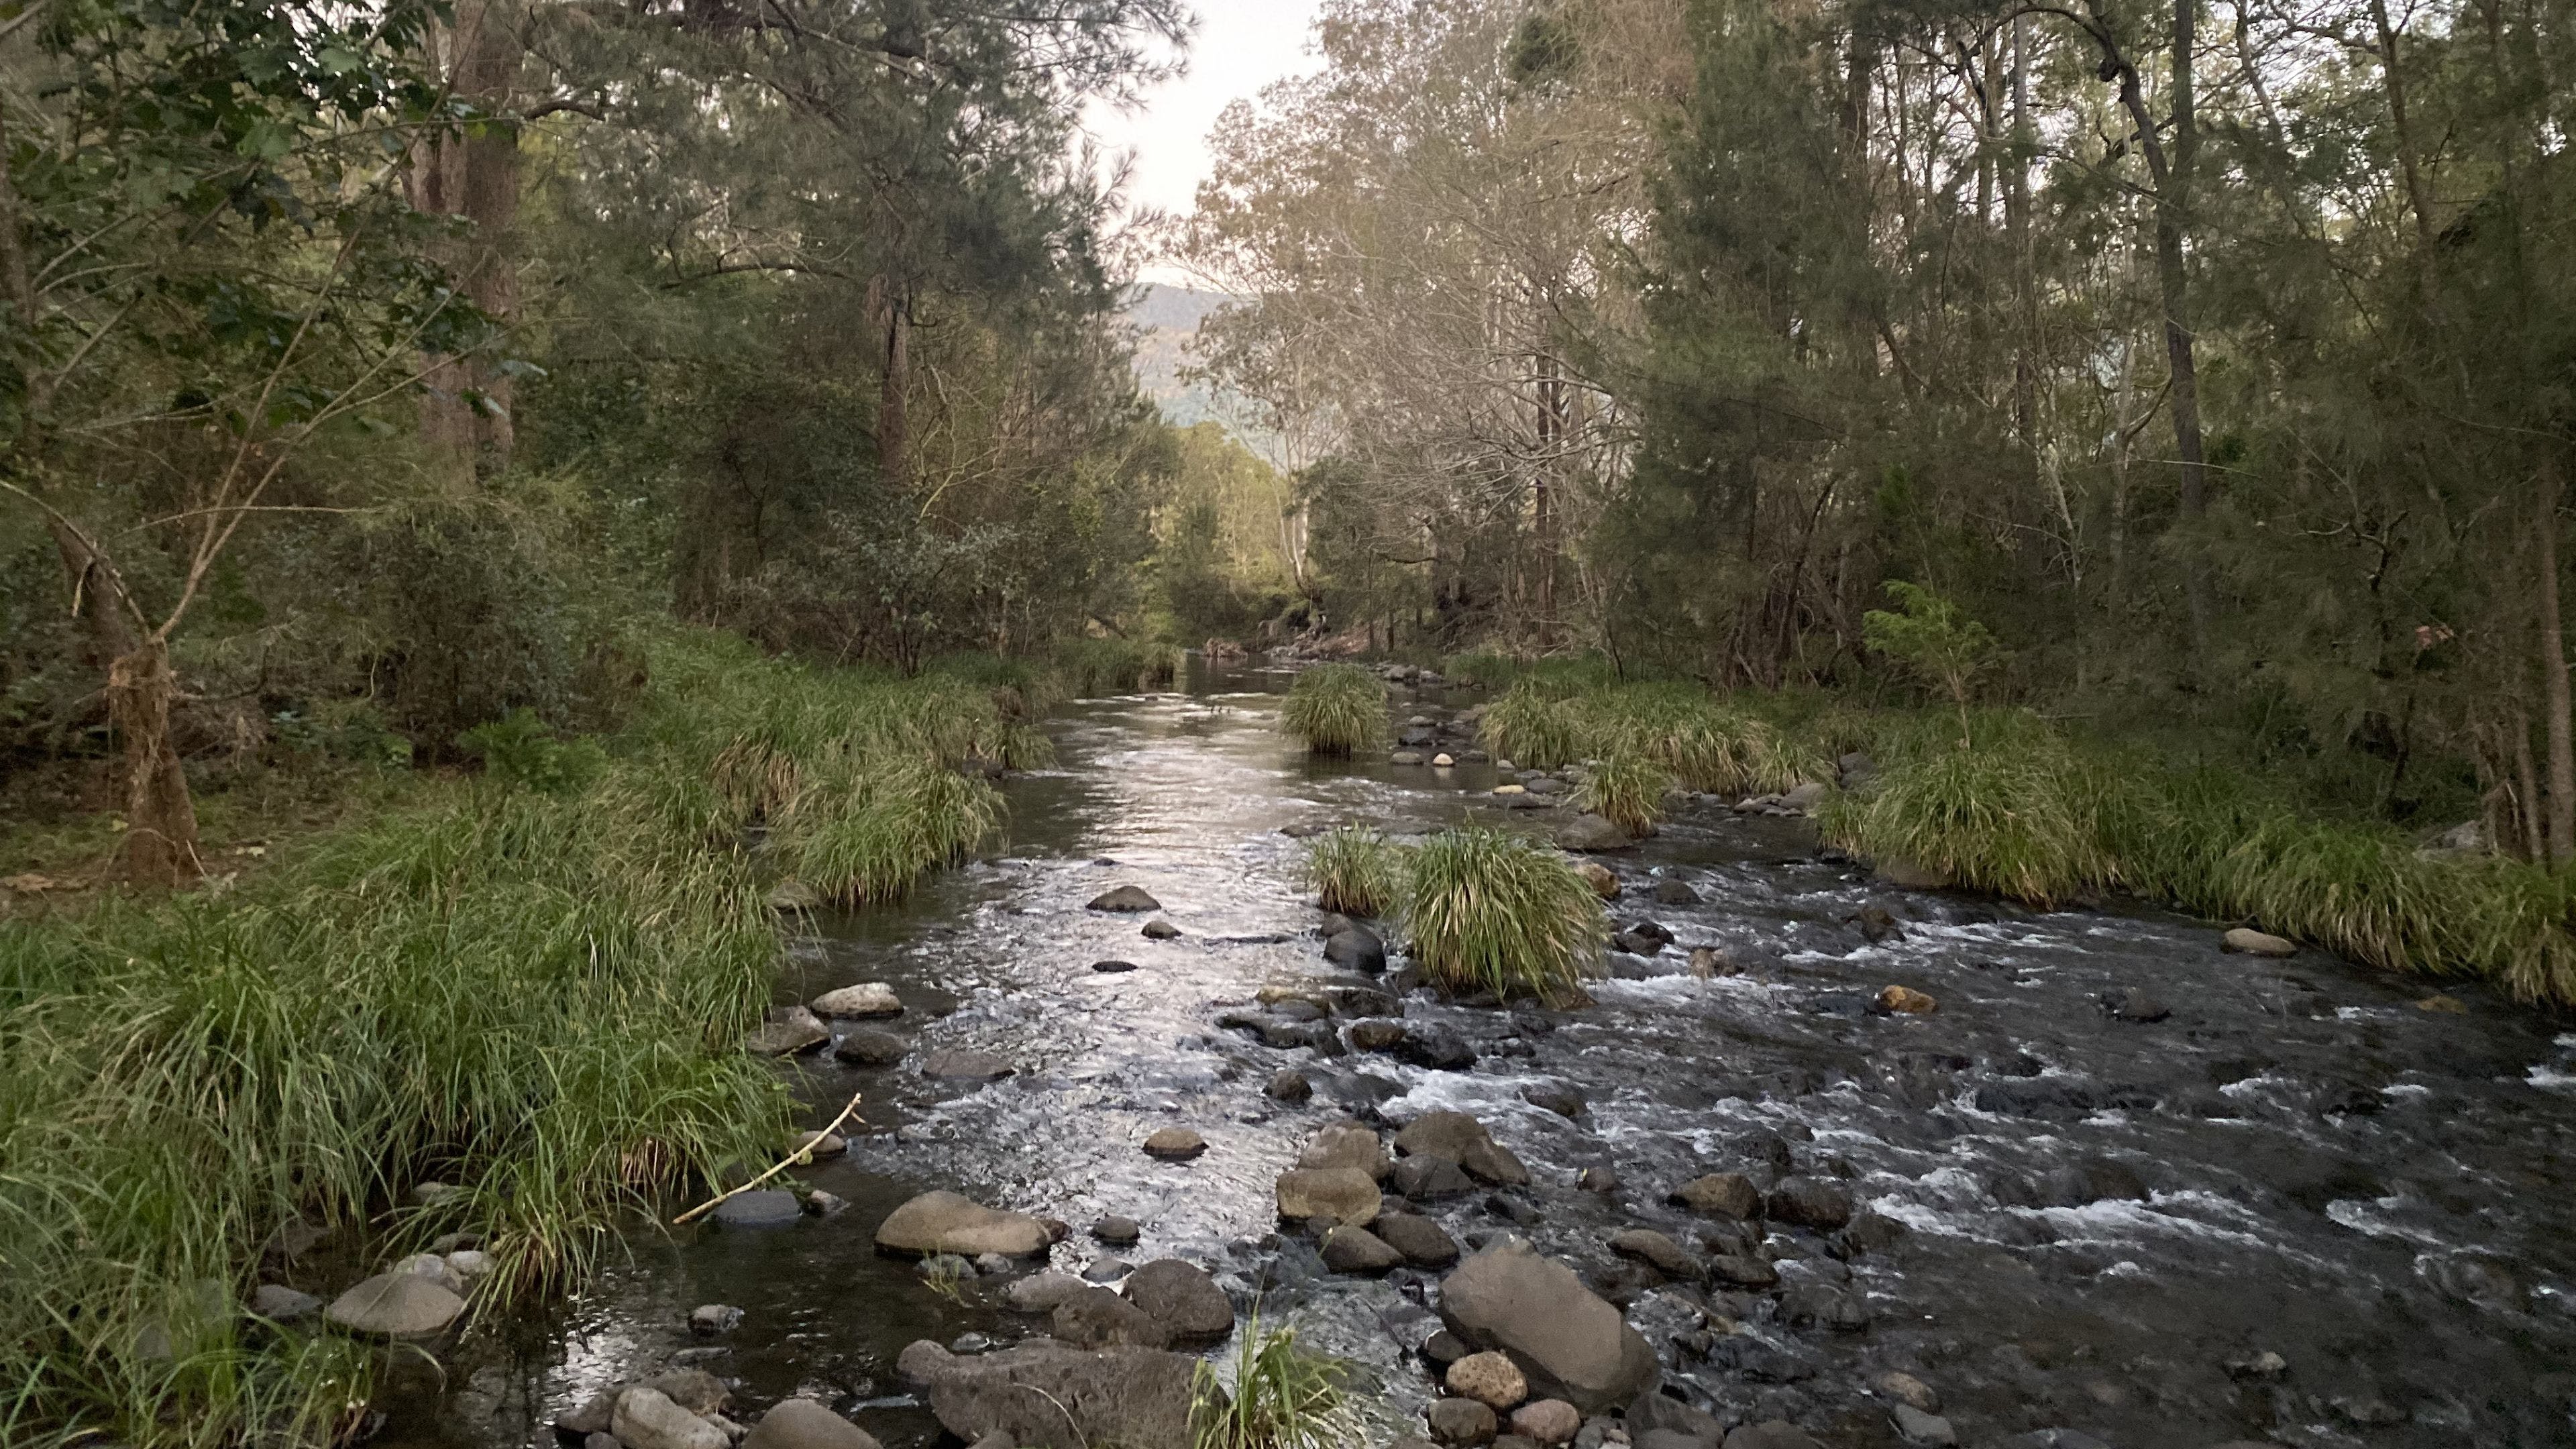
<point>465,403</point>
<point>1551,440</point>
<point>894,440</point>
<point>2526,782</point>
<point>2025,271</point>
<point>160,820</point>
<point>2553,673</point>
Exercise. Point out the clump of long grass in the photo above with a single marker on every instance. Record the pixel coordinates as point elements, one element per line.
<point>1482,669</point>
<point>1706,743</point>
<point>537,995</point>
<point>1283,1396</point>
<point>1626,791</point>
<point>1336,709</point>
<point>2016,814</point>
<point>1485,910</point>
<point>1357,871</point>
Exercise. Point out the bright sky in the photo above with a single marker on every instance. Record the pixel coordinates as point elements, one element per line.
<point>1240,46</point>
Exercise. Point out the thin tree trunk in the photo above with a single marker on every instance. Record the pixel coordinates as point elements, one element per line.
<point>2526,779</point>
<point>2025,270</point>
<point>894,437</point>
<point>160,820</point>
<point>2553,673</point>
<point>1551,430</point>
<point>465,405</point>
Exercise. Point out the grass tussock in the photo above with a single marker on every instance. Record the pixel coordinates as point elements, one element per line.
<point>535,994</point>
<point>1336,709</point>
<point>1091,668</point>
<point>1282,1396</point>
<point>1489,911</point>
<point>1356,871</point>
<point>1626,791</point>
<point>1701,741</point>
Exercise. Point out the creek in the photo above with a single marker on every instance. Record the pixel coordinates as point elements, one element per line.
<point>2107,1222</point>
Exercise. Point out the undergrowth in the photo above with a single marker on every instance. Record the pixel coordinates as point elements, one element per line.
<point>529,985</point>
<point>1489,911</point>
<point>1335,709</point>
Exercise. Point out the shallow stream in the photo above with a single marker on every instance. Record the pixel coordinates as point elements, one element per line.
<point>2301,1160</point>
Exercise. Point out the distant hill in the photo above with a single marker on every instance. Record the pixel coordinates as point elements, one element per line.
<point>1167,318</point>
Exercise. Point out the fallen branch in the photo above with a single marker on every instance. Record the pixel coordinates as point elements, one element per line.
<point>801,1154</point>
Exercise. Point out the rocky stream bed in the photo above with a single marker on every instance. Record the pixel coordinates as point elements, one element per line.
<point>2116,1186</point>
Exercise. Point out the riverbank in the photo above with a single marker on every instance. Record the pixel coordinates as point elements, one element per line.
<point>2010,803</point>
<point>504,1013</point>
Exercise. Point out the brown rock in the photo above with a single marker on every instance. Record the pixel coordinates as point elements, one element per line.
<point>1604,882</point>
<point>1548,1421</point>
<point>2256,943</point>
<point>1175,1144</point>
<point>1724,1194</point>
<point>1350,1146</point>
<point>1491,1379</point>
<point>1344,1194</point>
<point>1907,1001</point>
<point>1460,1421</point>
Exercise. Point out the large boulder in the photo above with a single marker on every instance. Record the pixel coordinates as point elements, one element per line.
<point>1345,1194</point>
<point>1047,1395</point>
<point>944,1222</point>
<point>1463,1140</point>
<point>1183,1298</point>
<point>805,1424</point>
<point>646,1418</point>
<point>1569,1342</point>
<point>396,1305</point>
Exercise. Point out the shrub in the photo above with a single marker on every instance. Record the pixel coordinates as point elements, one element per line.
<point>1358,871</point>
<point>1626,791</point>
<point>1335,709</point>
<point>2015,814</point>
<point>1094,667</point>
<point>520,750</point>
<point>1283,1396</point>
<point>1488,911</point>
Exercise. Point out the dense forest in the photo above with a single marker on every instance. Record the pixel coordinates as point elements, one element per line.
<point>513,510</point>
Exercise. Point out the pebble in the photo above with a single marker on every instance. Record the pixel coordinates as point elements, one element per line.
<point>1113,968</point>
<point>1918,1427</point>
<point>1175,1144</point>
<point>1117,1232</point>
<point>1460,1421</point>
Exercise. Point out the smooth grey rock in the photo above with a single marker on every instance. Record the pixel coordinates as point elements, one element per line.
<point>1918,1427</point>
<point>866,999</point>
<point>646,1418</point>
<point>868,1046</point>
<point>1357,1250</point>
<point>1356,948</point>
<point>1117,1232</point>
<point>395,1305</point>
<point>1571,1344</point>
<point>1424,1243</point>
<point>1184,1299</point>
<point>787,1031</point>
<point>805,1424</point>
<point>1589,832</point>
<point>1648,1246</point>
<point>1040,1293</point>
<point>944,1222</point>
<point>280,1304</point>
<point>1099,1318</point>
<point>1804,1202</point>
<point>1159,929</point>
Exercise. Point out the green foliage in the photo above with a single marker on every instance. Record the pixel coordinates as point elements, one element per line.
<point>1357,871</point>
<point>1489,911</point>
<point>534,994</point>
<point>2016,814</point>
<point>1283,1396</point>
<point>1933,637</point>
<point>520,750</point>
<point>1626,791</point>
<point>1552,719</point>
<point>1335,709</point>
<point>1093,666</point>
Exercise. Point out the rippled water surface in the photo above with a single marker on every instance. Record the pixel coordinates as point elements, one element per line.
<point>2377,1192</point>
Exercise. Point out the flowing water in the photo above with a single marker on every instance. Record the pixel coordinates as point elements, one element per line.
<point>2301,1160</point>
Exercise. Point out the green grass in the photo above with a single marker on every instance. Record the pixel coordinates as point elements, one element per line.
<point>1626,791</point>
<point>1093,667</point>
<point>1357,871</point>
<point>1489,911</point>
<point>535,996</point>
<point>1702,741</point>
<point>1336,709</point>
<point>1282,1396</point>
<point>2017,816</point>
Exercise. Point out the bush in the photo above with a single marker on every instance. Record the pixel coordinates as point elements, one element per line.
<point>2016,813</point>
<point>1094,667</point>
<point>1358,871</point>
<point>1487,911</point>
<point>1626,791</point>
<point>519,750</point>
<point>1335,709</point>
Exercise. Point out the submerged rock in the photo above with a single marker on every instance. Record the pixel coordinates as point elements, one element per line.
<point>765,1208</point>
<point>1570,1343</point>
<point>868,1046</point>
<point>1175,1144</point>
<point>1288,1085</point>
<point>945,1222</point>
<point>646,1418</point>
<point>966,1066</point>
<point>1125,900</point>
<point>1047,1395</point>
<point>1356,948</point>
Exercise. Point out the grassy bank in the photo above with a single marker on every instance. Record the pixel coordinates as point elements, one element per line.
<point>529,985</point>
<point>2005,801</point>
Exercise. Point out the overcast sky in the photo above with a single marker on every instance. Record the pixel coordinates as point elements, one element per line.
<point>1240,46</point>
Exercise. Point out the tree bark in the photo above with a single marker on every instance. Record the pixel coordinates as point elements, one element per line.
<point>894,436</point>
<point>1551,439</point>
<point>160,820</point>
<point>2553,673</point>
